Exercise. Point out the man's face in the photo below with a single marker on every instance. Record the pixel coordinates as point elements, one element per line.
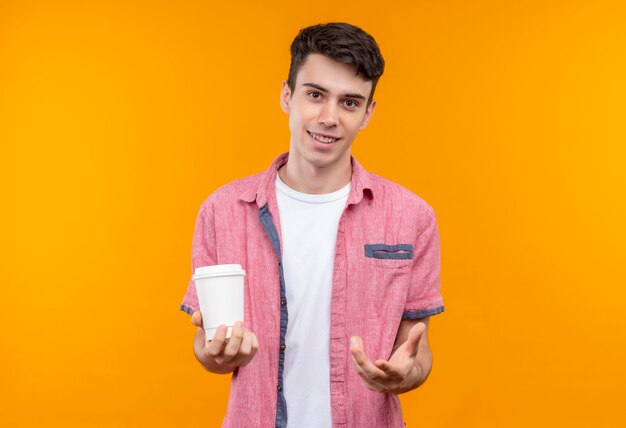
<point>326,110</point>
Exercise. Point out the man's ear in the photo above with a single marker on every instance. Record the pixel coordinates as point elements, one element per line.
<point>285,97</point>
<point>368,115</point>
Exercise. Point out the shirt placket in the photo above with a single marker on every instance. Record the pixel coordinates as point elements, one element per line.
<point>338,343</point>
<point>265,217</point>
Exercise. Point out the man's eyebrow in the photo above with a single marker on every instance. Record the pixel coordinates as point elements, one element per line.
<point>322,89</point>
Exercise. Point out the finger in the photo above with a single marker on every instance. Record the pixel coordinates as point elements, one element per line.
<point>255,345</point>
<point>369,383</point>
<point>353,356</point>
<point>232,347</point>
<point>196,319</point>
<point>246,356</point>
<point>246,344</point>
<point>215,345</point>
<point>245,349</point>
<point>255,342</point>
<point>393,371</point>
<point>368,368</point>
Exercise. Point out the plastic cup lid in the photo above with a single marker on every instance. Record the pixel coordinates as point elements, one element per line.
<point>218,270</point>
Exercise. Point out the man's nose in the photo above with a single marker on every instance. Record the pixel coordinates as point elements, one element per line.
<point>329,114</point>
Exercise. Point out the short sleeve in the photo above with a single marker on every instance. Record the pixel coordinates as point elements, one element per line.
<point>203,253</point>
<point>424,296</point>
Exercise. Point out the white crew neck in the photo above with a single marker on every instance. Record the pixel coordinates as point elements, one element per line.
<point>311,197</point>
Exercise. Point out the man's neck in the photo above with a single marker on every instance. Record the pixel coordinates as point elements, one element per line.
<point>312,180</point>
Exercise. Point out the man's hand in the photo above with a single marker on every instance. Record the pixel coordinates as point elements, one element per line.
<point>221,355</point>
<point>407,368</point>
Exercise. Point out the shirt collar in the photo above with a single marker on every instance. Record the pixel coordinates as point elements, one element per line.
<point>360,183</point>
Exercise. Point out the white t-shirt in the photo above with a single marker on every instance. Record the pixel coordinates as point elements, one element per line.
<point>309,230</point>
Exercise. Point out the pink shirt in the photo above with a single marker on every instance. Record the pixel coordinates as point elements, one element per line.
<point>386,269</point>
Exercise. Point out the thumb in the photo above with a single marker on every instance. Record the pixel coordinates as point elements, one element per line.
<point>415,335</point>
<point>196,319</point>
<point>356,344</point>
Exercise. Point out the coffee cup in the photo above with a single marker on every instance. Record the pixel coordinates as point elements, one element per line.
<point>220,295</point>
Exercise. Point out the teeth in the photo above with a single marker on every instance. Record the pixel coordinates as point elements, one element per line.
<point>323,139</point>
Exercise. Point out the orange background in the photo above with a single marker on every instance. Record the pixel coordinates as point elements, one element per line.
<point>118,118</point>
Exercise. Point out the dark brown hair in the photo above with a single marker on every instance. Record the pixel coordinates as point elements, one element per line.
<point>341,42</point>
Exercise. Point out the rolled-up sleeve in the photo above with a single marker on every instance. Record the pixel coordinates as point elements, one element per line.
<point>203,253</point>
<point>424,296</point>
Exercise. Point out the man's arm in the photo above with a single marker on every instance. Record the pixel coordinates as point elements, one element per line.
<point>409,365</point>
<point>219,355</point>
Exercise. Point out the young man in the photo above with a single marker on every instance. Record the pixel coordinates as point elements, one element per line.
<point>342,266</point>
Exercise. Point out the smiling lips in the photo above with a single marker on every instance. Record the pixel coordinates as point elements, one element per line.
<point>323,138</point>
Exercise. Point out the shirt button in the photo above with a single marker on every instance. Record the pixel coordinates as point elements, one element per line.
<point>279,388</point>
<point>283,302</point>
<point>283,346</point>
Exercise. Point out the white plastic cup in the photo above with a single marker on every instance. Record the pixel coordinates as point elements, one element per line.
<point>220,294</point>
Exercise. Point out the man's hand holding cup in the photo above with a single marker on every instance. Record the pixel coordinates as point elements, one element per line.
<point>221,354</point>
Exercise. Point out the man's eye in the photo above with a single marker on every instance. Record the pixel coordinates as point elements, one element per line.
<point>315,94</point>
<point>352,103</point>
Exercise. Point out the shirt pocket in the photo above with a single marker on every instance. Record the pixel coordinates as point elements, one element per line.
<point>386,275</point>
<point>389,256</point>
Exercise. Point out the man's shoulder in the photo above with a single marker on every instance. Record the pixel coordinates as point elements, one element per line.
<point>388,192</point>
<point>229,194</point>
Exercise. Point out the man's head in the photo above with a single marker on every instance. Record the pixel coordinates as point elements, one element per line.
<point>342,43</point>
<point>329,97</point>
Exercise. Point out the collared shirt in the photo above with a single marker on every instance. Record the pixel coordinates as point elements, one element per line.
<point>386,269</point>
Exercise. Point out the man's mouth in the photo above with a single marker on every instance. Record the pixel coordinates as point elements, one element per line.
<point>322,138</point>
